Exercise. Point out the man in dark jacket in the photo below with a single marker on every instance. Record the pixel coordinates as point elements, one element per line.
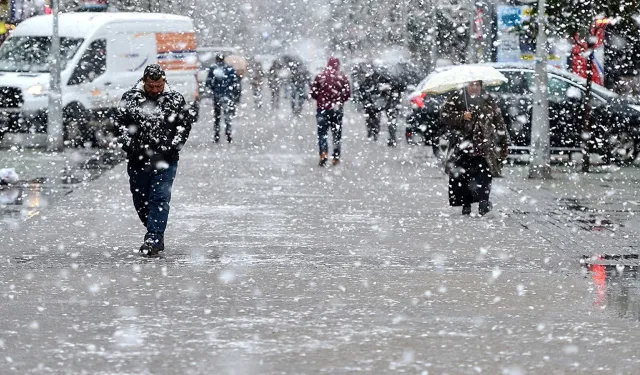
<point>155,126</point>
<point>373,98</point>
<point>331,89</point>
<point>299,80</point>
<point>274,80</point>
<point>393,90</point>
<point>224,83</point>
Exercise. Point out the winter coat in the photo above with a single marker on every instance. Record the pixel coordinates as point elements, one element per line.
<point>273,77</point>
<point>300,76</point>
<point>153,130</point>
<point>257,74</point>
<point>224,82</point>
<point>331,87</point>
<point>371,91</point>
<point>484,135</point>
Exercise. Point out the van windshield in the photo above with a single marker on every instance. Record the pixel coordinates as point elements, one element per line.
<point>32,53</point>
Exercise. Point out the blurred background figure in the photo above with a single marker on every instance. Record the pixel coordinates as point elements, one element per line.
<point>275,83</point>
<point>224,83</point>
<point>256,75</point>
<point>370,89</point>
<point>5,30</point>
<point>299,78</point>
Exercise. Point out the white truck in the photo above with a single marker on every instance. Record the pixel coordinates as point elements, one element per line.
<point>103,55</point>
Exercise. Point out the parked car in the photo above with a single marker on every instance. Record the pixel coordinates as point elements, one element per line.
<point>616,120</point>
<point>423,119</point>
<point>103,55</point>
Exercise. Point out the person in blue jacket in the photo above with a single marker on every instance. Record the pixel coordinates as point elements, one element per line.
<point>224,83</point>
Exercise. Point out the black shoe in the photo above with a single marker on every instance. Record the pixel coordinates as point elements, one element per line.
<point>484,208</point>
<point>216,138</point>
<point>392,143</point>
<point>323,159</point>
<point>229,138</point>
<point>151,247</point>
<point>466,210</point>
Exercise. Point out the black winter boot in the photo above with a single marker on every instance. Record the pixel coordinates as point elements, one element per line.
<point>484,208</point>
<point>466,209</point>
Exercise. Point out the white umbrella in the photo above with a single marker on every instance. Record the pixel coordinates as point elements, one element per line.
<point>458,75</point>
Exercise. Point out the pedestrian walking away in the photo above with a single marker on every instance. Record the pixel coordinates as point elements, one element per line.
<point>155,125</point>
<point>300,78</point>
<point>478,146</point>
<point>330,89</point>
<point>393,92</point>
<point>257,80</point>
<point>274,80</point>
<point>373,99</point>
<point>224,83</point>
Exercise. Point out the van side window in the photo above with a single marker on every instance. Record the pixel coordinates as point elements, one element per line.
<point>92,64</point>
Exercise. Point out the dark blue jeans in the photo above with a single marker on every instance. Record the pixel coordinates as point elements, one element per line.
<point>329,119</point>
<point>151,190</point>
<point>223,107</point>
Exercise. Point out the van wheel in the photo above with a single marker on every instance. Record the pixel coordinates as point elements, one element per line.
<point>76,126</point>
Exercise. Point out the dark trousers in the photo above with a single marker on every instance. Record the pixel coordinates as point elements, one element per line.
<point>223,107</point>
<point>297,99</point>
<point>257,94</point>
<point>151,191</point>
<point>372,115</point>
<point>469,181</point>
<point>392,121</point>
<point>329,119</point>
<point>275,96</point>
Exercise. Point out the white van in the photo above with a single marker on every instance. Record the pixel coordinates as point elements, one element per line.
<point>103,55</point>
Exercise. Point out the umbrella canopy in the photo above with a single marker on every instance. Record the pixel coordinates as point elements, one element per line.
<point>238,63</point>
<point>459,75</point>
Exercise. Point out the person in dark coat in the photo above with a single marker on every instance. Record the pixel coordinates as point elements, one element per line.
<point>393,90</point>
<point>274,80</point>
<point>478,146</point>
<point>155,124</point>
<point>373,99</point>
<point>257,80</point>
<point>224,83</point>
<point>300,78</point>
<point>331,89</point>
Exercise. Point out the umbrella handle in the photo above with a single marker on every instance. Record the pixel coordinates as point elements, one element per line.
<point>465,100</point>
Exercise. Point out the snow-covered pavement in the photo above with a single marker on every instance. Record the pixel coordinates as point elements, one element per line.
<point>274,265</point>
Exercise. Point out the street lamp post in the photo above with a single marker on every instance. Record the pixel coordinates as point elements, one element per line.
<point>55,133</point>
<point>540,163</point>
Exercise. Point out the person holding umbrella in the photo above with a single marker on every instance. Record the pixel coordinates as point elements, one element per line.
<point>478,145</point>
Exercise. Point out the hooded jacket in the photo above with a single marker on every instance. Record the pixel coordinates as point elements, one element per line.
<point>153,130</point>
<point>331,88</point>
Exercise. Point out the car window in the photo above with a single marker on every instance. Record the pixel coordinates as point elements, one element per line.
<point>93,63</point>
<point>561,90</point>
<point>519,83</point>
